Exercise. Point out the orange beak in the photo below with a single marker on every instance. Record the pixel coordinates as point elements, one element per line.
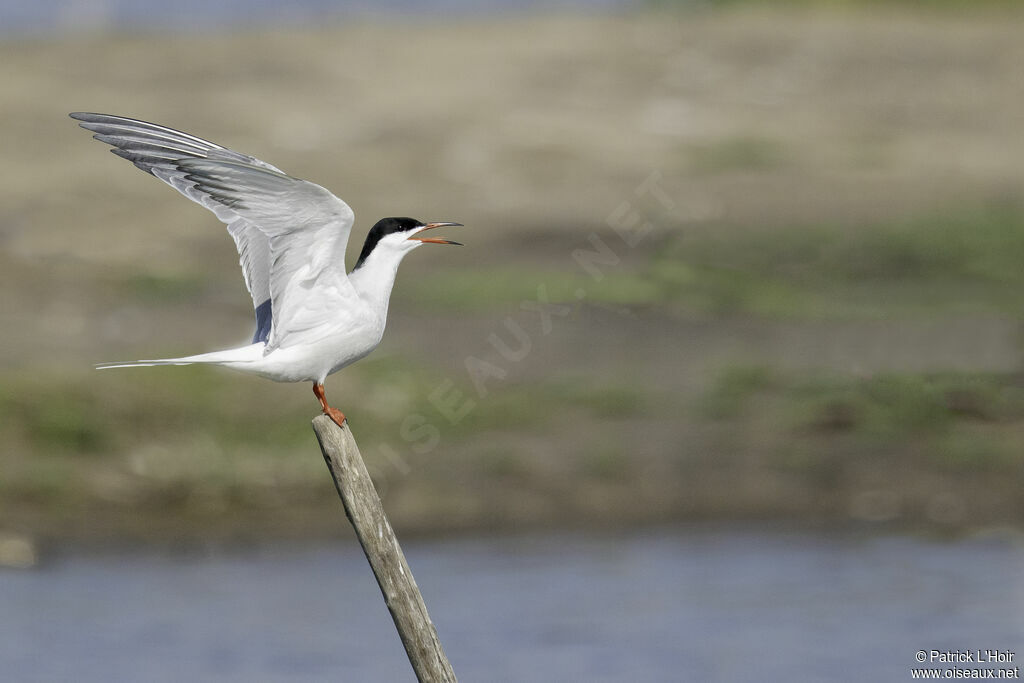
<point>435,240</point>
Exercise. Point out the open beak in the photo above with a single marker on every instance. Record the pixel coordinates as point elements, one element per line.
<point>435,240</point>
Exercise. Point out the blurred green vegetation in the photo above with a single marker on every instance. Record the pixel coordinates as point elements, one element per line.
<point>957,260</point>
<point>222,435</point>
<point>886,404</point>
<point>950,421</point>
<point>745,153</point>
<point>156,289</point>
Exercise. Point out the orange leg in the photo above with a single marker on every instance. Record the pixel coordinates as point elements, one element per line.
<point>333,413</point>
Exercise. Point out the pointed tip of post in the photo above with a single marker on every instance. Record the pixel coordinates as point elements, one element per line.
<point>329,434</point>
<point>324,421</point>
<point>321,423</point>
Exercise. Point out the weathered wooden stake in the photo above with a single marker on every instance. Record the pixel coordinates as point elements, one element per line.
<point>365,512</point>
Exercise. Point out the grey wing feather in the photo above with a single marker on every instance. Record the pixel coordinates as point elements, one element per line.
<point>157,150</point>
<point>259,203</point>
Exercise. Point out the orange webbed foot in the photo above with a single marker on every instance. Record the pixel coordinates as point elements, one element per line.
<point>336,415</point>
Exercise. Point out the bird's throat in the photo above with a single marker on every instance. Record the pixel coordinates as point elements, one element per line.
<point>375,278</point>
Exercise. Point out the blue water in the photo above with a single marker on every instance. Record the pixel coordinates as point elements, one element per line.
<point>706,605</point>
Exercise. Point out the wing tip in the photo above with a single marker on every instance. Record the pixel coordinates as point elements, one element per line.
<point>89,116</point>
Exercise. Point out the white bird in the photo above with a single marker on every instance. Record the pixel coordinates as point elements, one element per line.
<point>312,318</point>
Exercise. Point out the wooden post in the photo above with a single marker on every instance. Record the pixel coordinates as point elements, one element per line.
<point>365,512</point>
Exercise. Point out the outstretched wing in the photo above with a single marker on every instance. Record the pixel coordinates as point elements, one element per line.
<point>286,230</point>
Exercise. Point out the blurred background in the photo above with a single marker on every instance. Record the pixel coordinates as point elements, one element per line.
<point>726,383</point>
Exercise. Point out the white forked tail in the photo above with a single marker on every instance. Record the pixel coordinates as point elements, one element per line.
<point>241,354</point>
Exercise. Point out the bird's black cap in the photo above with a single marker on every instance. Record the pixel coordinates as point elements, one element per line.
<point>383,227</point>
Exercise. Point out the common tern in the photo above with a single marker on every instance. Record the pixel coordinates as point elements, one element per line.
<point>312,318</point>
